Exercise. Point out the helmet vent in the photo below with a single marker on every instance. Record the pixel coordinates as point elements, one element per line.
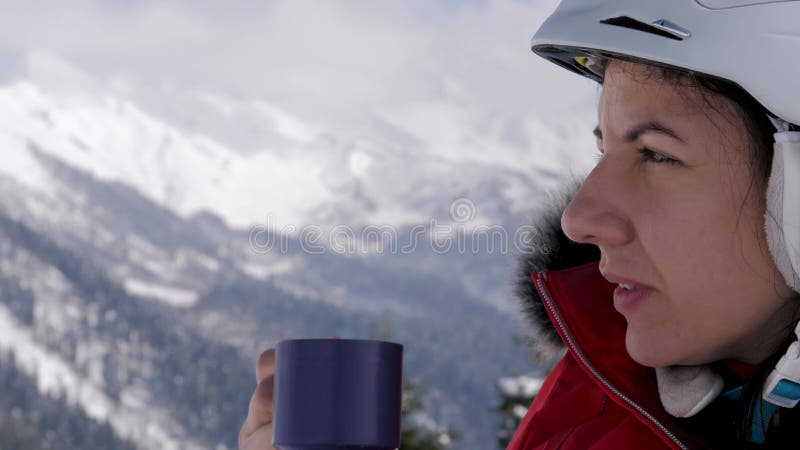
<point>660,27</point>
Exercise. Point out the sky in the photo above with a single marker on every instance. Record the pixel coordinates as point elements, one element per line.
<point>324,60</point>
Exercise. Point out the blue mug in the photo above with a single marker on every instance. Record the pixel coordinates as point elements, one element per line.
<point>337,394</point>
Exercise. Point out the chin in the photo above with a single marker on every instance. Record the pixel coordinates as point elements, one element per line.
<point>649,355</point>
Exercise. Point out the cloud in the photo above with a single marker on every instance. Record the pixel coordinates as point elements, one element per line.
<point>322,59</point>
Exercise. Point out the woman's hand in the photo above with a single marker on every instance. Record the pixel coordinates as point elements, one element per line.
<point>256,432</point>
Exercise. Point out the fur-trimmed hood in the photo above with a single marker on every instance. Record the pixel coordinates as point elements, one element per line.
<point>549,249</point>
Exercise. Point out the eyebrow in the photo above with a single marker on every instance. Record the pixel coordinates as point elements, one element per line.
<point>650,126</point>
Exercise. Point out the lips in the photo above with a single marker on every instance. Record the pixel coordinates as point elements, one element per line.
<point>616,279</point>
<point>629,292</point>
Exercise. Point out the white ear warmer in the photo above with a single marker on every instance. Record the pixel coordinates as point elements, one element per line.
<point>782,218</point>
<point>686,390</point>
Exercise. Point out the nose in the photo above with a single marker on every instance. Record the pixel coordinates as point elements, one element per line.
<point>596,214</point>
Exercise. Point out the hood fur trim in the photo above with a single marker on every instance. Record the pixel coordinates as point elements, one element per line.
<point>549,249</point>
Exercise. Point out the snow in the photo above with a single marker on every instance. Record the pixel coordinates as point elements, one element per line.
<point>286,124</point>
<point>520,386</point>
<point>161,266</point>
<point>184,258</point>
<point>263,269</point>
<point>53,374</point>
<point>56,376</point>
<point>519,411</point>
<point>20,163</point>
<point>166,266</point>
<point>168,294</point>
<point>113,140</point>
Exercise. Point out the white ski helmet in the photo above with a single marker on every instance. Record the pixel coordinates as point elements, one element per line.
<point>752,43</point>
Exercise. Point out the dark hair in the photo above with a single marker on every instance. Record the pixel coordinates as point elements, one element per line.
<point>784,431</point>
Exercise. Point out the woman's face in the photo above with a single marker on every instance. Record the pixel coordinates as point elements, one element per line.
<point>667,204</point>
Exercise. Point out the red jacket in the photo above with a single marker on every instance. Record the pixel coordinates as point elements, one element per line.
<point>596,397</point>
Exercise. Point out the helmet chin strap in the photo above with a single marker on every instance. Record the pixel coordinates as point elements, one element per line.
<point>782,222</point>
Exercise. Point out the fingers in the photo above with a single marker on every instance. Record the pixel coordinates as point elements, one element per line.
<point>259,412</point>
<point>256,432</point>
<point>265,365</point>
<point>260,440</point>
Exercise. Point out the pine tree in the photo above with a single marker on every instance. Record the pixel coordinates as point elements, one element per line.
<point>412,435</point>
<point>516,392</point>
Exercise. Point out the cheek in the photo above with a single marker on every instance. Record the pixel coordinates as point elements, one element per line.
<point>693,248</point>
<point>711,288</point>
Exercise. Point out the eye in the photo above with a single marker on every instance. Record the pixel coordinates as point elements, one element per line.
<point>648,155</point>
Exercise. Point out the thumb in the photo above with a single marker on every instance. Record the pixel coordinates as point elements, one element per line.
<point>259,411</point>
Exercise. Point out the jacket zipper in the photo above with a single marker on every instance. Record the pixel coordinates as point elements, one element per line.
<point>577,352</point>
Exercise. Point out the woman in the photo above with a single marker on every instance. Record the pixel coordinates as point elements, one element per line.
<point>674,330</point>
<point>674,282</point>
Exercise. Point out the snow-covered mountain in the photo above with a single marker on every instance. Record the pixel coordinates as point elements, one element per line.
<point>190,161</point>
<point>129,280</point>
